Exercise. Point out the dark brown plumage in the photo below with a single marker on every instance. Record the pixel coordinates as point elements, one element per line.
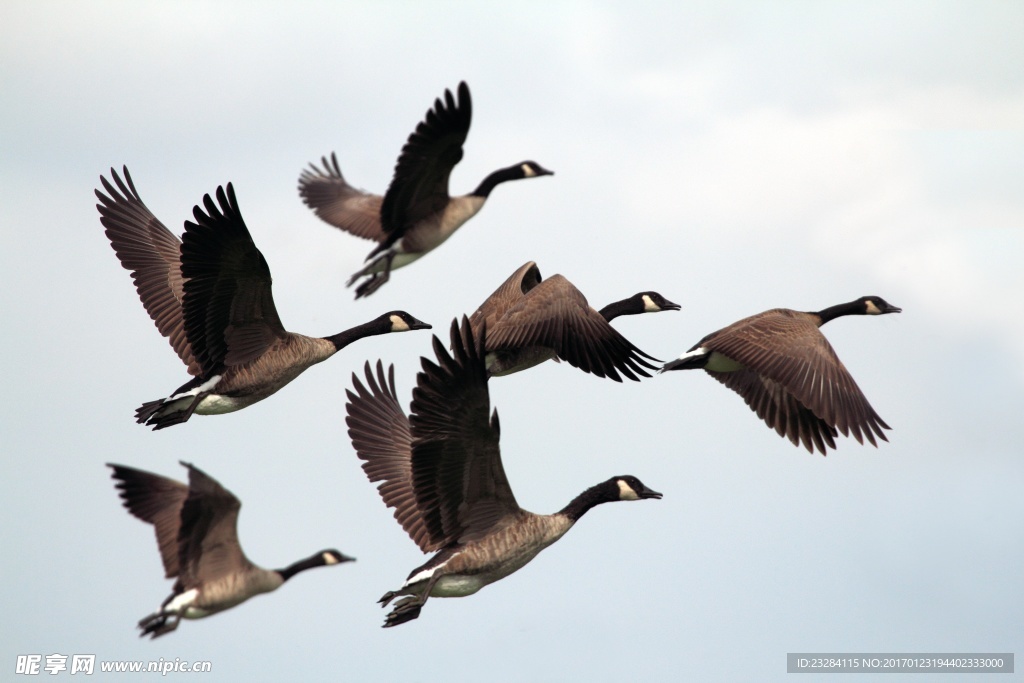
<point>790,376</point>
<point>416,214</point>
<point>196,530</point>
<point>530,320</point>
<point>210,294</point>
<point>441,471</point>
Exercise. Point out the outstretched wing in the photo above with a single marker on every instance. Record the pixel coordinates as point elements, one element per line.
<point>380,436</point>
<point>461,488</point>
<point>779,409</point>
<point>230,316</point>
<point>208,539</point>
<point>419,187</point>
<point>556,315</point>
<point>152,253</point>
<point>338,203</point>
<point>806,366</point>
<point>507,295</point>
<point>158,501</point>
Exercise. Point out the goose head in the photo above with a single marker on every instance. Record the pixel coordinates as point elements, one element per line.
<point>324,558</point>
<point>876,305</point>
<point>329,557</point>
<point>628,487</point>
<point>652,302</point>
<point>400,321</point>
<point>531,169</point>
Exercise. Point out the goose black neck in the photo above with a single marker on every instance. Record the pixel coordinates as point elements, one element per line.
<point>605,492</point>
<point>617,308</point>
<point>310,562</point>
<point>493,180</point>
<point>343,339</point>
<point>839,310</point>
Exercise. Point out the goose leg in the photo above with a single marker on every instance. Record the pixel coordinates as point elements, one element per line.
<point>376,280</point>
<point>408,608</point>
<point>159,623</point>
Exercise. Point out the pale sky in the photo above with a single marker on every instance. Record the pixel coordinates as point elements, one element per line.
<point>732,156</point>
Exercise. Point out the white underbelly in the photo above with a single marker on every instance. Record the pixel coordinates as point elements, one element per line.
<point>216,404</point>
<point>403,259</point>
<point>457,586</point>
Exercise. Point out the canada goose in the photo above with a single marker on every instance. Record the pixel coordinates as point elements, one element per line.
<point>211,295</point>
<point>530,320</point>
<point>416,214</point>
<point>441,470</point>
<point>196,530</point>
<point>788,373</point>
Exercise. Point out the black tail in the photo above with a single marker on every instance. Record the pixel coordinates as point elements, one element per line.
<point>156,624</point>
<point>688,363</point>
<point>163,413</point>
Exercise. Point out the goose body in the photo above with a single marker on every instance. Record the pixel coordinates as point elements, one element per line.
<point>416,214</point>
<point>530,320</point>
<point>196,531</point>
<point>790,376</point>
<point>441,471</point>
<point>210,294</point>
<point>463,571</point>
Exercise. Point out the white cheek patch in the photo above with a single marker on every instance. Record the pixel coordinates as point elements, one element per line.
<point>626,491</point>
<point>330,559</point>
<point>872,309</point>
<point>527,171</point>
<point>398,325</point>
<point>649,305</point>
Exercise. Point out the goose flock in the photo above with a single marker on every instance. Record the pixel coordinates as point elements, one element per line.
<point>440,466</point>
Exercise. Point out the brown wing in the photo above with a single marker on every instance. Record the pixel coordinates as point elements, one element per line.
<point>787,348</point>
<point>460,484</point>
<point>230,316</point>
<point>419,187</point>
<point>508,294</point>
<point>380,436</point>
<point>158,501</point>
<point>153,254</point>
<point>208,539</point>
<point>556,315</point>
<point>338,203</point>
<point>779,409</point>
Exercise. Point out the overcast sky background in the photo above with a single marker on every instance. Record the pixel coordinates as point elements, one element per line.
<point>733,156</point>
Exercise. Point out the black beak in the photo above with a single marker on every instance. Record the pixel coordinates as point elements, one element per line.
<point>648,493</point>
<point>889,308</point>
<point>669,306</point>
<point>419,325</point>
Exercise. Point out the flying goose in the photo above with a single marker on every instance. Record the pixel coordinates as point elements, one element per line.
<point>441,470</point>
<point>211,296</point>
<point>196,530</point>
<point>416,214</point>
<point>788,373</point>
<point>530,320</point>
